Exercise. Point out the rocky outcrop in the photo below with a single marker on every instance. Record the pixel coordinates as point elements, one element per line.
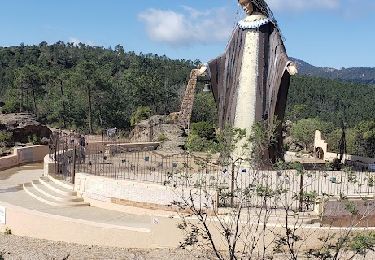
<point>170,130</point>
<point>162,129</point>
<point>24,127</point>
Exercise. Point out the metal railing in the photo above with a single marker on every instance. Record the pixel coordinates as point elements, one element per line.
<point>234,183</point>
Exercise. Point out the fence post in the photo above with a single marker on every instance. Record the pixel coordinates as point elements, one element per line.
<point>151,133</point>
<point>74,164</point>
<point>301,192</point>
<point>57,153</point>
<point>232,187</point>
<point>55,170</point>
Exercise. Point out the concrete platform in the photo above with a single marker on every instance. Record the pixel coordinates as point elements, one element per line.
<point>125,227</point>
<point>28,216</point>
<point>11,192</point>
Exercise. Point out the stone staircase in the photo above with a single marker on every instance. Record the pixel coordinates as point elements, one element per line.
<point>188,100</point>
<point>53,192</point>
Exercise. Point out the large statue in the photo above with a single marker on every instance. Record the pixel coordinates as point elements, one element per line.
<point>250,80</point>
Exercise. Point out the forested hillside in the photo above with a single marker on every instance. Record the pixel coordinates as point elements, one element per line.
<point>355,74</point>
<point>92,88</point>
<point>330,100</point>
<point>88,87</point>
<point>331,106</point>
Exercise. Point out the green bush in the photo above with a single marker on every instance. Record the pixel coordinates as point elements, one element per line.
<point>196,143</point>
<point>204,130</point>
<point>202,137</point>
<point>204,108</point>
<point>162,138</point>
<point>5,136</point>
<point>140,114</point>
<point>362,243</point>
<point>34,139</point>
<point>303,131</point>
<point>360,140</point>
<point>334,137</point>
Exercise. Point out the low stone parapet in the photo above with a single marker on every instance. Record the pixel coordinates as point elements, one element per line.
<point>144,195</point>
<point>24,155</point>
<point>49,166</point>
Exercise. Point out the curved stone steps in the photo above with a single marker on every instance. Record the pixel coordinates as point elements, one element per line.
<point>53,192</point>
<point>60,183</point>
<point>46,181</point>
<point>46,191</point>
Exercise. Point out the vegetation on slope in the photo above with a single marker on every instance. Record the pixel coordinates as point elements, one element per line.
<point>88,87</point>
<point>355,74</point>
<point>93,88</point>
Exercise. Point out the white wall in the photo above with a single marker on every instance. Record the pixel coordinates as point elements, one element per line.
<point>106,189</point>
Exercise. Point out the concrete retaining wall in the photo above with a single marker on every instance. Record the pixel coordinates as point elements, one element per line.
<point>23,155</point>
<point>137,194</point>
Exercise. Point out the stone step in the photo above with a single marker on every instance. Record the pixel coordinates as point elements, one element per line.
<point>61,182</point>
<point>54,195</point>
<point>30,190</point>
<point>56,187</point>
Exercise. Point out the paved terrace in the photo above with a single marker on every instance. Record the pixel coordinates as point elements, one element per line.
<point>81,221</point>
<point>126,227</point>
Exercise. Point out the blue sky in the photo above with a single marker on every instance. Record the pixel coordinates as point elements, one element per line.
<point>332,33</point>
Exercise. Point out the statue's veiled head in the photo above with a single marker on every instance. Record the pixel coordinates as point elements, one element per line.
<point>255,7</point>
<point>247,6</point>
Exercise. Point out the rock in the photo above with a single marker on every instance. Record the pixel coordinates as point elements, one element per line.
<point>162,129</point>
<point>44,141</point>
<point>24,126</point>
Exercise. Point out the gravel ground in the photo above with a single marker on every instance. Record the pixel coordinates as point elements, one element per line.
<point>14,247</point>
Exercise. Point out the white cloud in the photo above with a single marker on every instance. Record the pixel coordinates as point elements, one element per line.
<point>194,13</point>
<point>298,5</point>
<point>77,41</point>
<point>192,26</point>
<point>343,7</point>
<point>189,27</point>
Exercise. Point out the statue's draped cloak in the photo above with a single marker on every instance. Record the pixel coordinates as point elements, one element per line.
<point>272,82</point>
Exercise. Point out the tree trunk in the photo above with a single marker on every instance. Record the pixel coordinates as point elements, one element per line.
<point>21,99</point>
<point>63,104</point>
<point>35,107</point>
<point>90,110</point>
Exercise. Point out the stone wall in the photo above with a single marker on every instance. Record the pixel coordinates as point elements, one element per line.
<point>133,193</point>
<point>160,129</point>
<point>24,155</point>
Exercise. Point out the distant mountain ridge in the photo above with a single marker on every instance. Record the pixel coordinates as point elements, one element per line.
<point>364,75</point>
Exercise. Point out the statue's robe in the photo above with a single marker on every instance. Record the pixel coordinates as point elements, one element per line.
<point>250,80</point>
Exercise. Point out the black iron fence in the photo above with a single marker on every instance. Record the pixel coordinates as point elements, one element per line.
<point>235,183</point>
<point>61,150</point>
